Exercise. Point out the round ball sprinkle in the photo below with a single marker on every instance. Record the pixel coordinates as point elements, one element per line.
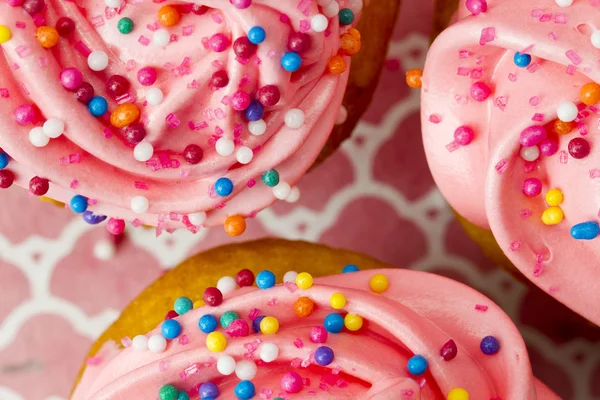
<point>334,323</point>
<point>337,301</point>
<point>353,322</point>
<point>271,178</point>
<point>170,329</point>
<point>227,318</point>
<point>212,296</point>
<point>324,355</point>
<point>268,352</point>
<point>183,305</point>
<point>379,283</point>
<point>226,284</point>
<point>168,392</point>
<point>157,344</point>
<point>489,345</point>
<point>245,370</point>
<point>226,365</point>
<point>125,25</point>
<point>269,325</point>
<point>207,323</point>
<point>304,280</point>
<point>216,342</point>
<point>265,279</point>
<point>244,390</point>
<point>417,365</point>
<point>303,307</point>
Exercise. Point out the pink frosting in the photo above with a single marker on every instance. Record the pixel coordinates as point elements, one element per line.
<point>484,180</point>
<point>108,172</point>
<point>417,314</point>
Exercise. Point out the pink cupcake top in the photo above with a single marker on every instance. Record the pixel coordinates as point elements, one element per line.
<point>509,115</point>
<point>169,114</point>
<point>385,334</point>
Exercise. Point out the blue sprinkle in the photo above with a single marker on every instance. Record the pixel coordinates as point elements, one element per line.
<point>417,365</point>
<point>208,390</point>
<point>334,323</point>
<point>324,356</point>
<point>183,395</point>
<point>98,106</point>
<point>257,35</point>
<point>244,390</point>
<point>350,268</point>
<point>223,187</point>
<point>79,204</point>
<point>92,218</point>
<point>489,345</point>
<point>255,111</point>
<point>265,279</point>
<point>207,323</point>
<point>522,60</point>
<point>170,329</point>
<point>585,231</point>
<point>256,323</point>
<point>291,62</point>
<point>3,160</point>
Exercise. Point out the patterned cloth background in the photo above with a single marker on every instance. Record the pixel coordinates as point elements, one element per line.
<point>375,196</point>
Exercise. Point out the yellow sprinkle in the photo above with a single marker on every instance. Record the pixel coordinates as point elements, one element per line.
<point>304,280</point>
<point>337,301</point>
<point>458,394</point>
<point>199,303</point>
<point>269,325</point>
<point>379,283</point>
<point>52,201</point>
<point>554,197</point>
<point>552,216</point>
<point>216,342</point>
<point>5,34</point>
<point>353,322</point>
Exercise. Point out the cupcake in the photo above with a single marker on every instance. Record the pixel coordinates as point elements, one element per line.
<point>180,115</point>
<point>378,333</point>
<point>509,111</point>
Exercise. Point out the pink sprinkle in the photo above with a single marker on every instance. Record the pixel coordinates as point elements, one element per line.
<point>537,13</point>
<point>563,157</point>
<point>560,18</point>
<point>143,40</point>
<point>594,173</point>
<point>210,362</point>
<point>502,166</point>
<point>125,98</point>
<point>435,119</point>
<point>501,102</point>
<point>97,21</point>
<point>533,67</point>
<point>126,342</point>
<point>183,340</point>
<point>172,120</point>
<point>174,216</point>
<point>463,54</point>
<point>153,27</point>
<point>295,363</point>
<point>290,286</point>
<point>514,246</point>
<point>298,343</point>
<point>245,80</point>
<point>272,301</point>
<point>463,71</point>
<point>4,93</point>
<point>20,24</point>
<point>538,270</point>
<point>546,17</point>
<point>82,48</point>
<point>553,35</point>
<point>218,130</point>
<point>487,35</point>
<point>187,30</point>
<point>571,69</point>
<point>251,182</point>
<point>452,146</point>
<point>193,85</point>
<point>529,166</point>
<point>534,101</point>
<point>217,17</point>
<point>92,202</point>
<point>190,370</point>
<point>271,53</point>
<point>225,100</point>
<point>163,366</point>
<point>253,314</point>
<point>42,62</point>
<point>461,99</point>
<point>136,223</point>
<point>130,66</point>
<point>39,20</point>
<point>303,5</point>
<point>526,213</point>
<point>407,394</point>
<point>307,360</point>
<point>158,231</point>
<point>552,289</point>
<point>74,158</point>
<point>481,307</point>
<point>15,67</point>
<point>574,57</point>
<point>94,360</point>
<point>583,130</point>
<point>74,184</point>
<point>323,386</point>
<point>477,73</point>
<point>23,51</point>
<point>304,26</point>
<point>284,18</point>
<point>537,117</point>
<point>107,133</point>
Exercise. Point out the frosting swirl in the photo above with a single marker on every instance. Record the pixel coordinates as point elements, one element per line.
<point>526,175</point>
<point>417,314</point>
<point>95,158</point>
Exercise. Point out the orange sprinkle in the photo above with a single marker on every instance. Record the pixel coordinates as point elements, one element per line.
<point>350,45</point>
<point>235,225</point>
<point>303,307</point>
<point>413,78</point>
<point>562,128</point>
<point>47,36</point>
<point>354,32</point>
<point>168,16</point>
<point>124,115</point>
<point>336,65</point>
<point>590,94</point>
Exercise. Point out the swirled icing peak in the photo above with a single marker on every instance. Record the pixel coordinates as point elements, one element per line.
<point>510,111</point>
<point>181,114</point>
<point>380,334</point>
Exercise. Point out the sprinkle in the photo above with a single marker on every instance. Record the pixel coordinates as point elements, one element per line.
<point>487,35</point>
<point>172,120</point>
<point>477,73</point>
<point>143,40</point>
<point>20,24</point>
<point>582,127</point>
<point>126,341</point>
<point>463,54</point>
<point>435,119</point>
<point>546,17</point>
<point>94,360</point>
<point>560,18</point>
<point>163,365</point>
<point>571,69</point>
<point>97,21</point>
<point>563,157</point>
<point>500,102</point>
<point>4,93</point>
<point>298,343</point>
<point>512,77</point>
<point>526,213</point>
<point>534,101</point>
<point>82,48</point>
<point>533,67</point>
<point>594,173</point>
<point>23,51</point>
<point>481,307</point>
<point>573,57</point>
<point>537,117</point>
<point>452,146</point>
<point>501,166</point>
<point>538,269</point>
<point>463,71</point>
<point>514,246</point>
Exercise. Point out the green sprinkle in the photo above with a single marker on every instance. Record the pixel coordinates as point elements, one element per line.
<point>346,16</point>
<point>271,178</point>
<point>227,318</point>
<point>168,392</point>
<point>125,25</point>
